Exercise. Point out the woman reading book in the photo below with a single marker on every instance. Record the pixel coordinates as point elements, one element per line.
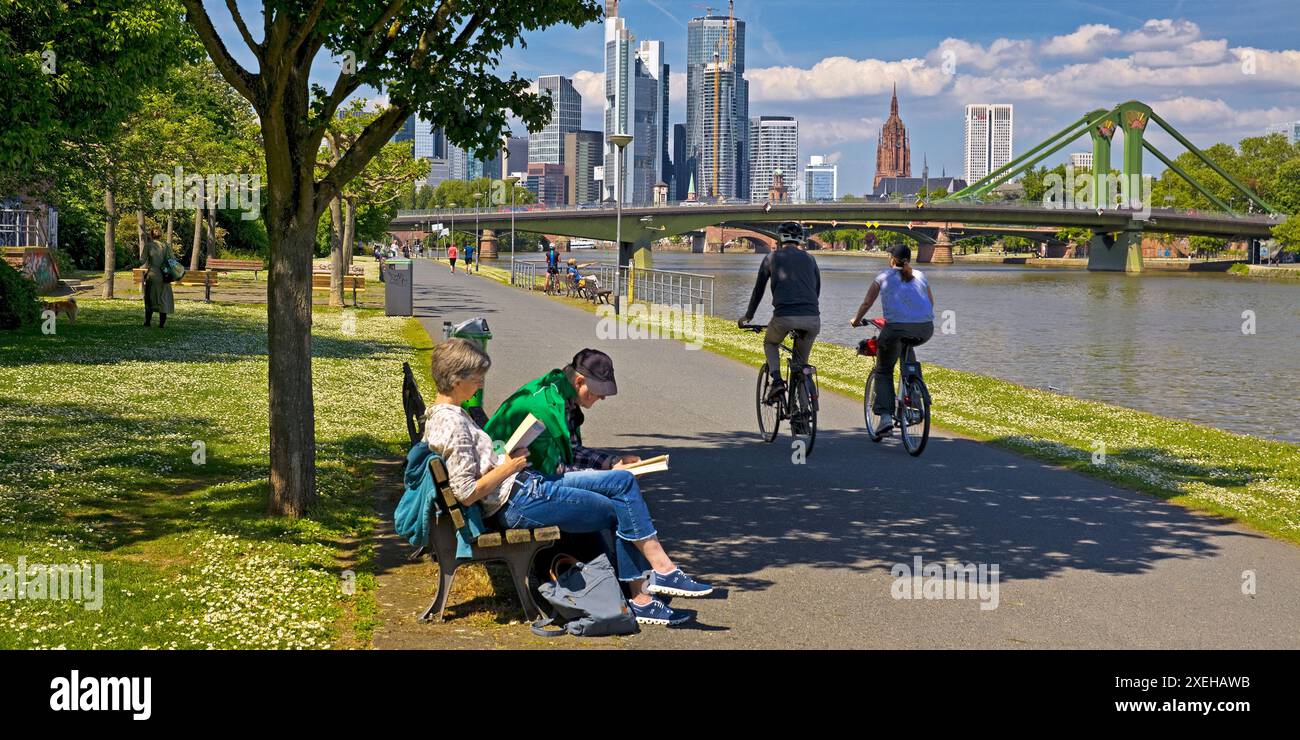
<point>514,496</point>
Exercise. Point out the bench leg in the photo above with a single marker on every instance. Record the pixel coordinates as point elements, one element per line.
<point>446,575</point>
<point>520,563</point>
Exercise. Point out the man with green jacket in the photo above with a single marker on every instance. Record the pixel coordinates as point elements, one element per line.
<point>557,400</point>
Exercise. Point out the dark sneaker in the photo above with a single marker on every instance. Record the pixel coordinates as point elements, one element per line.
<point>776,390</point>
<point>886,425</point>
<point>657,613</point>
<point>676,583</point>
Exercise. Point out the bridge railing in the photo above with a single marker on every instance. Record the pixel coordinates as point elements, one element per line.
<point>665,287</point>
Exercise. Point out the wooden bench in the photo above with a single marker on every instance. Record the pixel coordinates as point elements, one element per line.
<point>325,268</point>
<point>204,278</point>
<point>353,282</point>
<point>253,266</point>
<point>515,547</point>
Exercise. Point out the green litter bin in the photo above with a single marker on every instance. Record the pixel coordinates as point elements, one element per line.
<point>475,330</point>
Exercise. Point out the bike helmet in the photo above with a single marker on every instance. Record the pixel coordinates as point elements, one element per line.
<point>790,233</point>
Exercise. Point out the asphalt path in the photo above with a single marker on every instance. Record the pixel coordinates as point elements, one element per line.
<point>804,555</point>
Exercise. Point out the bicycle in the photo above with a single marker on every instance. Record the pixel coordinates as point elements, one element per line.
<point>798,405</point>
<point>912,399</point>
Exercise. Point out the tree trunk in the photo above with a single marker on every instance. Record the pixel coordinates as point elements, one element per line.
<point>196,244</point>
<point>349,233</point>
<point>336,253</point>
<point>292,409</point>
<point>212,225</point>
<point>170,224</point>
<point>110,246</point>
<point>139,230</point>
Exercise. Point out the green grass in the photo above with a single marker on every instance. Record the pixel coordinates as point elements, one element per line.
<point>98,423</point>
<point>1239,269</point>
<point>1248,479</point>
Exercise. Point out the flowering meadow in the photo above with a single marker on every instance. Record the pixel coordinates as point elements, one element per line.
<point>145,451</point>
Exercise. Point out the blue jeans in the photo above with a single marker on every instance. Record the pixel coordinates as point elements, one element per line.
<point>588,501</point>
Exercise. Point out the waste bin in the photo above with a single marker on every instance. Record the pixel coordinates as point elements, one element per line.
<point>399,287</point>
<point>475,330</point>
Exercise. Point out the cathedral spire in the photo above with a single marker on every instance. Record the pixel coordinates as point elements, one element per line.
<point>893,103</point>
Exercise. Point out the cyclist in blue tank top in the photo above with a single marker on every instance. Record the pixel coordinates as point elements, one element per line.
<point>908,305</point>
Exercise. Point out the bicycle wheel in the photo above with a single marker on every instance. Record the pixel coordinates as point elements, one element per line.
<point>803,417</point>
<point>769,414</point>
<point>914,423</point>
<point>868,401</point>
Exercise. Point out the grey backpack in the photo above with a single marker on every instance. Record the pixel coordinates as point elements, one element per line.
<point>586,600</point>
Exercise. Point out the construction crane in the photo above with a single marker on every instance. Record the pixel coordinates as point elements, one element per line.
<point>717,81</point>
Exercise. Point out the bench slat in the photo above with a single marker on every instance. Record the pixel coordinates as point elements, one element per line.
<point>546,534</point>
<point>491,539</point>
<point>518,535</point>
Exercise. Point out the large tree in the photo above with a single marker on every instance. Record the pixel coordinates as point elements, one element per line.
<point>432,57</point>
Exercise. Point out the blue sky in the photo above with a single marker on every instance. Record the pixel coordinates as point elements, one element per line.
<point>1217,71</point>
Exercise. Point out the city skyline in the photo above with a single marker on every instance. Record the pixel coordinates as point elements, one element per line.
<point>808,60</point>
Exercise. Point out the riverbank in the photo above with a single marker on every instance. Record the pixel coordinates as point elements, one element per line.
<point>1252,480</point>
<point>1267,272</point>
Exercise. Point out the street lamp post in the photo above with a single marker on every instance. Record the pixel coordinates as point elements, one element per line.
<point>621,141</point>
<point>510,183</point>
<point>478,240</point>
<point>452,234</point>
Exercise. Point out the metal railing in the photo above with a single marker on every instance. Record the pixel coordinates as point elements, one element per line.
<point>664,287</point>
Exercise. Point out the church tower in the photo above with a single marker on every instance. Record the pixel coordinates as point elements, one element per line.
<point>893,150</point>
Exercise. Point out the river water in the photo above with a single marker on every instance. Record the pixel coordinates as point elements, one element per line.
<point>1169,343</point>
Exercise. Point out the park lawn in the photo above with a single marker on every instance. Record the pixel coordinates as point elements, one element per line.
<point>1247,479</point>
<point>98,465</point>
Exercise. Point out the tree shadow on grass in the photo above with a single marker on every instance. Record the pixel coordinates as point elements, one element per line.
<point>136,485</point>
<point>111,333</point>
<point>734,506</point>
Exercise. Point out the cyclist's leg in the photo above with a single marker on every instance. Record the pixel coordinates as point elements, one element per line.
<point>806,330</point>
<point>888,345</point>
<point>777,329</point>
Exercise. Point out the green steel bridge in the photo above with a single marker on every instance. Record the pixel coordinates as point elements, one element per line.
<point>1117,227</point>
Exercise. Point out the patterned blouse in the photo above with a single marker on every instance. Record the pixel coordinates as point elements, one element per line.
<point>467,452</point>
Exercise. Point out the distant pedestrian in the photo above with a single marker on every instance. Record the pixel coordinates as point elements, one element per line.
<point>406,251</point>
<point>157,291</point>
<point>469,256</point>
<point>451,256</point>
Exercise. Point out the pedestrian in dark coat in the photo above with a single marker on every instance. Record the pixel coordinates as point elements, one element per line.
<point>157,292</point>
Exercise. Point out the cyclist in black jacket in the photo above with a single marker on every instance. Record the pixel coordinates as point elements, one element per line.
<point>796,289</point>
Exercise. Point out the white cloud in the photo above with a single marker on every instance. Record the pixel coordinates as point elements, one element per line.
<point>1099,39</point>
<point>1085,39</point>
<point>1206,51</point>
<point>817,135</point>
<point>842,77</point>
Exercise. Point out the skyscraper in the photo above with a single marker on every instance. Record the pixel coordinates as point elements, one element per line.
<point>407,132</point>
<point>430,143</point>
<point>1081,160</point>
<point>988,138</point>
<point>636,82</point>
<point>821,181</point>
<point>893,148</point>
<point>1291,130</point>
<point>716,87</point>
<point>682,165</point>
<point>774,146</point>
<point>583,151</point>
<point>547,146</point>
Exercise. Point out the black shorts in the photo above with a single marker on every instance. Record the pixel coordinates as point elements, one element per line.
<point>552,271</point>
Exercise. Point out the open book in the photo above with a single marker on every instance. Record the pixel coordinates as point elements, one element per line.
<point>650,465</point>
<point>529,429</point>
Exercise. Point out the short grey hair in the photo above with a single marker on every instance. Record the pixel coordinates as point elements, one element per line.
<point>455,360</point>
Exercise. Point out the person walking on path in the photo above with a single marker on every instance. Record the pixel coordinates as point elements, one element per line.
<point>451,256</point>
<point>157,291</point>
<point>469,256</point>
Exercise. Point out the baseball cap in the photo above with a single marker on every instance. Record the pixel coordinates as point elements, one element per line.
<point>598,369</point>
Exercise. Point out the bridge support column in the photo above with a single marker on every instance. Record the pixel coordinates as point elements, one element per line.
<point>939,253</point>
<point>487,245</point>
<point>697,243</point>
<point>1119,252</point>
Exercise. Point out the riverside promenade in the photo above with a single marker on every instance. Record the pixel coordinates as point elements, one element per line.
<point>802,554</point>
